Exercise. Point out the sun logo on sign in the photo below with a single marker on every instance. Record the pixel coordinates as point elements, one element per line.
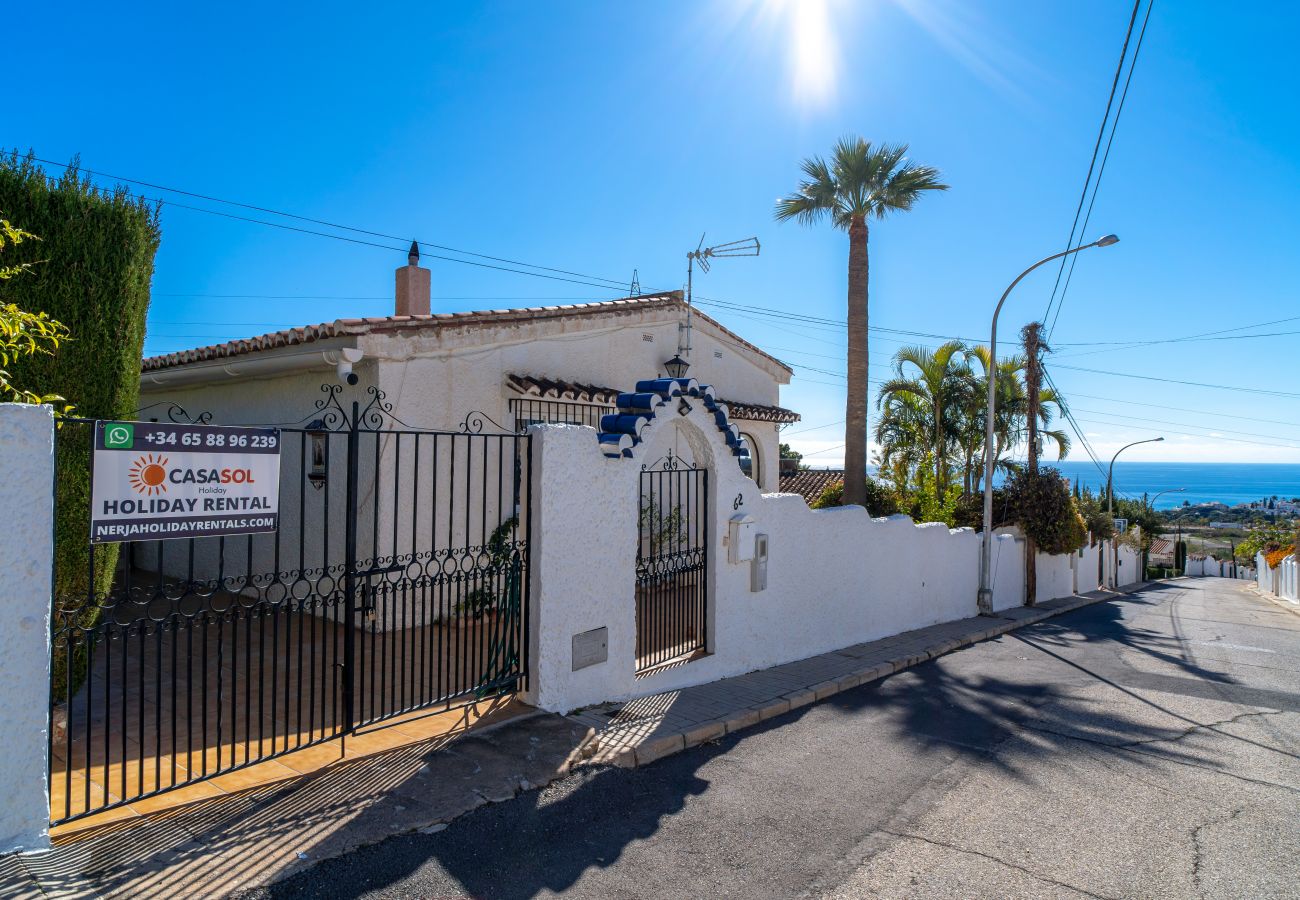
<point>148,475</point>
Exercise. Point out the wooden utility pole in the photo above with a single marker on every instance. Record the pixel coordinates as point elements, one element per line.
<point>1031,334</point>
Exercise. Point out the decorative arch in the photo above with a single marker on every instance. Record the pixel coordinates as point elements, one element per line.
<point>621,431</point>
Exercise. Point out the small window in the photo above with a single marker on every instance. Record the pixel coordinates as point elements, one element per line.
<point>751,465</point>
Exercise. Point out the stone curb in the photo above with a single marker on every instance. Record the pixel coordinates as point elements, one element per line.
<point>661,746</point>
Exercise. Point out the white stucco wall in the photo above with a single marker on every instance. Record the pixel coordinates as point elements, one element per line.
<point>1008,571</point>
<point>1264,575</point>
<point>27,451</point>
<point>1055,575</point>
<point>835,577</point>
<point>1285,579</point>
<point>1087,568</point>
<point>1130,566</point>
<point>1208,566</point>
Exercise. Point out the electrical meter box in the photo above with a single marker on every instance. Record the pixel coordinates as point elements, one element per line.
<point>758,565</point>
<point>740,538</point>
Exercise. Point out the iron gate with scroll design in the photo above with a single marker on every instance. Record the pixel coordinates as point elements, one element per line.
<point>397,581</point>
<point>672,563</point>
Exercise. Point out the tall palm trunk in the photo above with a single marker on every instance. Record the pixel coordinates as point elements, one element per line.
<point>938,450</point>
<point>855,407</point>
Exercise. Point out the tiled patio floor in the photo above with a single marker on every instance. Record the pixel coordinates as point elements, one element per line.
<point>211,709</point>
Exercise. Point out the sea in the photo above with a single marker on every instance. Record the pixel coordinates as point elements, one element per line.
<point>1229,483</point>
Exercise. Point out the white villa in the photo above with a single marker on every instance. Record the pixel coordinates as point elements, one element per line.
<point>495,370</point>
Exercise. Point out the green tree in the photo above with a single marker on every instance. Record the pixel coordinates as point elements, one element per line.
<point>1040,503</point>
<point>881,501</point>
<point>860,181</point>
<point>927,384</point>
<point>22,333</point>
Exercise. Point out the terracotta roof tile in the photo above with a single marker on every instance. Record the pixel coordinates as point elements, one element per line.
<point>809,483</point>
<point>343,327</point>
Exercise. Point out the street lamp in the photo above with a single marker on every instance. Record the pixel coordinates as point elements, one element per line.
<point>986,554</point>
<point>1110,502</point>
<point>1110,492</point>
<point>1152,503</point>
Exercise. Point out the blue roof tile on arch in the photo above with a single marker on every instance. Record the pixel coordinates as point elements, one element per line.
<point>621,431</point>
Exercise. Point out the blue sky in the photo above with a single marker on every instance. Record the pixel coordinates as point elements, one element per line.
<point>600,138</point>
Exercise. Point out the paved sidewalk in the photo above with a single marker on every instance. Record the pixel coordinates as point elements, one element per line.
<point>649,728</point>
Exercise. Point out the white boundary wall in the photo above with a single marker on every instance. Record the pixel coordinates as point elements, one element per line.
<point>27,451</point>
<point>836,577</point>
<point>1283,581</point>
<point>1265,576</point>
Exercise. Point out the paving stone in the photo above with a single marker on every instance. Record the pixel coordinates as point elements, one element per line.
<point>773,708</point>
<point>800,698</point>
<point>850,681</point>
<point>705,731</point>
<point>880,670</point>
<point>658,748</point>
<point>825,689</point>
<point>743,719</point>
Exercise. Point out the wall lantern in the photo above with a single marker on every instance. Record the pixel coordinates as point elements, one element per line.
<point>316,473</point>
<point>676,367</point>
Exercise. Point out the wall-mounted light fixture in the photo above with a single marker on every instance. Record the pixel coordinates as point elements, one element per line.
<point>676,367</point>
<point>316,472</point>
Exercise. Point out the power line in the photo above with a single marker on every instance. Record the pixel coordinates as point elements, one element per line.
<point>1217,431</point>
<point>1068,414</point>
<point>614,283</point>
<point>813,428</point>
<point>1166,407</point>
<point>827,450</point>
<point>1105,156</point>
<point>1101,133</point>
<point>1203,436</point>
<point>1187,337</point>
<point>1220,387</point>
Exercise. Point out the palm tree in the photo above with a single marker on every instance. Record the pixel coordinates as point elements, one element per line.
<point>859,181</point>
<point>1009,428</point>
<point>935,387</point>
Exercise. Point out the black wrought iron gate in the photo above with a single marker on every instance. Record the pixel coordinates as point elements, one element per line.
<point>672,563</point>
<point>397,581</point>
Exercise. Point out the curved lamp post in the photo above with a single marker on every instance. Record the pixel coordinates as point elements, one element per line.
<point>1110,500</point>
<point>985,599</point>
<point>1110,474</point>
<point>1152,503</point>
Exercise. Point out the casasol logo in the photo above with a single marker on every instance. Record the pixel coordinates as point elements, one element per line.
<point>149,474</point>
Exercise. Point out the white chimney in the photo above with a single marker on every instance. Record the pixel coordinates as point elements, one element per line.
<point>413,286</point>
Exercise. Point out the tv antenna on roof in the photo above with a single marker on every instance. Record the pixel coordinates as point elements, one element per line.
<point>701,255</point>
<point>635,289</point>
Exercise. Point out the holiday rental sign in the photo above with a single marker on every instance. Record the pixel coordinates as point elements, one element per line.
<point>154,481</point>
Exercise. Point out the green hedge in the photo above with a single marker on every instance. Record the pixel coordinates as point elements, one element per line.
<point>94,263</point>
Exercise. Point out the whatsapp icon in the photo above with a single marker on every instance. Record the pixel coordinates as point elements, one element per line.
<point>119,435</point>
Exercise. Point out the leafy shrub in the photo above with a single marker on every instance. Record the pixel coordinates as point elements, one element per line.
<point>1267,539</point>
<point>880,499</point>
<point>1043,508</point>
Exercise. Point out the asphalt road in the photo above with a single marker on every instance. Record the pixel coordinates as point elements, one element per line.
<point>1146,747</point>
